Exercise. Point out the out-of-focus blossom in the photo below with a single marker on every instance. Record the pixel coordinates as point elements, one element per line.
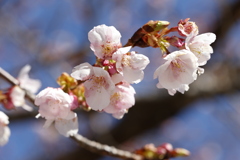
<point>98,85</point>
<point>185,27</point>
<point>16,98</point>
<point>130,64</point>
<point>16,95</point>
<point>4,129</point>
<point>105,40</point>
<point>177,72</point>
<point>56,105</point>
<point>31,85</point>
<point>121,100</point>
<point>200,46</point>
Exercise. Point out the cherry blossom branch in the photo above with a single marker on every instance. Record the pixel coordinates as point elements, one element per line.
<point>82,141</point>
<point>104,149</point>
<point>9,78</point>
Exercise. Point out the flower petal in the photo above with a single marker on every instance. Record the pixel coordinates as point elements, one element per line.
<point>67,127</point>
<point>82,72</point>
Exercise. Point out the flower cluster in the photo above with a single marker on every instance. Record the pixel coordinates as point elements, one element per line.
<point>181,67</point>
<point>106,85</point>
<point>107,82</point>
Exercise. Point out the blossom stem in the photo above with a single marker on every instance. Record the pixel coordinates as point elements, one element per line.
<point>82,141</point>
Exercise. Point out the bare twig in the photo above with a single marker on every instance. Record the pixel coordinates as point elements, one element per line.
<point>82,141</point>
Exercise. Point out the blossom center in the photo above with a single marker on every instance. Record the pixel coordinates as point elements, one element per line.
<point>126,61</point>
<point>107,49</point>
<point>177,67</point>
<point>115,98</point>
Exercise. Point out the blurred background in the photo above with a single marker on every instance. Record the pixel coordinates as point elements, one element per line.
<point>51,36</point>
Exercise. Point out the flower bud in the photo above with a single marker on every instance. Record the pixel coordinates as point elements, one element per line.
<point>166,146</point>
<point>175,41</point>
<point>180,152</point>
<point>66,81</point>
<point>155,26</point>
<point>185,27</point>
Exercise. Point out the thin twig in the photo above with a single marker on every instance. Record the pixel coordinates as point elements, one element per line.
<point>82,141</point>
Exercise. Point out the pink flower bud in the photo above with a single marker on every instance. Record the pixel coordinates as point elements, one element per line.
<point>185,27</point>
<point>175,41</point>
<point>166,146</point>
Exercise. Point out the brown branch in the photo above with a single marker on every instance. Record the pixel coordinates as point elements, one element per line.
<point>82,141</point>
<point>104,149</point>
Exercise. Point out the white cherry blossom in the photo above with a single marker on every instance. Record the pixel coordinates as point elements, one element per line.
<point>130,64</point>
<point>121,100</point>
<point>105,40</point>
<point>4,129</point>
<point>200,46</point>
<point>56,106</point>
<point>177,72</point>
<point>98,85</point>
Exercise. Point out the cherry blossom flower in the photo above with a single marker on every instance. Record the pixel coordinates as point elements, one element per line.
<point>56,106</point>
<point>130,64</point>
<point>105,40</point>
<point>177,72</point>
<point>16,94</point>
<point>31,85</point>
<point>121,100</point>
<point>98,85</point>
<point>16,98</point>
<point>4,129</point>
<point>200,46</point>
<point>185,27</point>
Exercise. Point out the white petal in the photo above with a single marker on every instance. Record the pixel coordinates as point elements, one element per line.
<point>4,135</point>
<point>47,123</point>
<point>172,92</point>
<point>17,95</point>
<point>3,119</point>
<point>139,61</point>
<point>116,78</point>
<point>183,88</point>
<point>67,127</point>
<point>132,76</point>
<point>31,85</point>
<point>200,70</point>
<point>82,72</point>
<point>97,98</point>
<point>120,114</point>
<point>205,37</point>
<point>27,107</point>
<point>23,74</point>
